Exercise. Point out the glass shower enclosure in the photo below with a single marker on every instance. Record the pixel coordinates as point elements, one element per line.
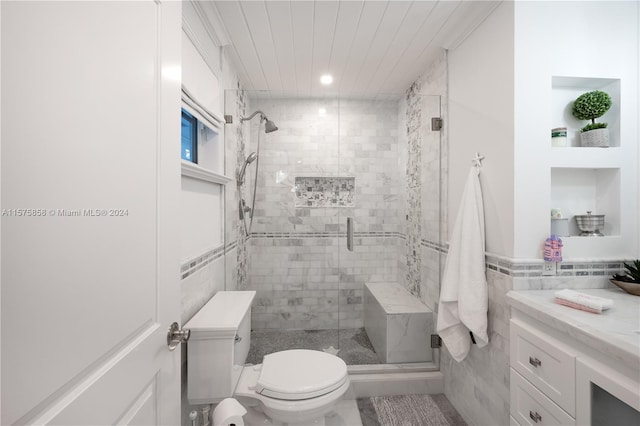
<point>375,162</point>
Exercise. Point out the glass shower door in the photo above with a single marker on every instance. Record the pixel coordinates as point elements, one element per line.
<point>390,165</point>
<point>289,256</point>
<point>376,161</point>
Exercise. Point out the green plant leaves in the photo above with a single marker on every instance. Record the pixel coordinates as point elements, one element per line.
<point>634,270</point>
<point>591,105</point>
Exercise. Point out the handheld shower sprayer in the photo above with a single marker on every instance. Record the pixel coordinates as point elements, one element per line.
<point>250,159</point>
<point>269,126</point>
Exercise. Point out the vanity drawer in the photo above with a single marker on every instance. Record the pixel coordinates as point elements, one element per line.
<point>531,407</point>
<point>546,362</point>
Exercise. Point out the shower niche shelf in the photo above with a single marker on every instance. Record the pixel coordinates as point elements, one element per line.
<point>315,191</point>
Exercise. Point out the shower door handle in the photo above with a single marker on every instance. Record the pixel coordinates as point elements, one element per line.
<point>350,233</point>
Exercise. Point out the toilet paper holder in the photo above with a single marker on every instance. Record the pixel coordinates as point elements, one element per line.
<point>228,412</point>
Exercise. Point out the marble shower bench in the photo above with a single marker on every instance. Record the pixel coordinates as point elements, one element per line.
<point>397,323</point>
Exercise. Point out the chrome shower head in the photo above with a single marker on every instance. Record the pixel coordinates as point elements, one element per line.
<point>250,159</point>
<point>269,126</point>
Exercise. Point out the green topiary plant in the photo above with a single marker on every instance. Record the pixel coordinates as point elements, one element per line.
<point>632,275</point>
<point>590,106</point>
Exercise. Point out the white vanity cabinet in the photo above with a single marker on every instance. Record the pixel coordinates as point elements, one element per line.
<point>606,395</point>
<point>542,377</point>
<point>570,367</point>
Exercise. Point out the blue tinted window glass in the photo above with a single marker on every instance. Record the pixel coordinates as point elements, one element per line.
<point>189,137</point>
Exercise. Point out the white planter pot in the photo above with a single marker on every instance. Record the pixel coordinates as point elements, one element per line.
<point>595,137</point>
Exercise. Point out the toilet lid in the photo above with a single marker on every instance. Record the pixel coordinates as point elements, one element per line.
<point>300,374</point>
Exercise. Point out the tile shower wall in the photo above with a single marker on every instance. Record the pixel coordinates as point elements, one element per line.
<point>425,159</point>
<point>312,282</point>
<point>413,188</point>
<point>325,191</point>
<point>298,262</point>
<point>238,227</point>
<point>235,252</point>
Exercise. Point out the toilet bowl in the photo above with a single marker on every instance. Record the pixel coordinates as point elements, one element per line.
<point>294,387</point>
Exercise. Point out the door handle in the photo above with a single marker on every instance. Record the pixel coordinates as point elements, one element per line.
<point>176,335</point>
<point>535,362</point>
<point>350,233</point>
<point>535,416</point>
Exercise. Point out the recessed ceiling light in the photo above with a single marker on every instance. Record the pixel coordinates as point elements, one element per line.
<point>322,111</point>
<point>326,79</point>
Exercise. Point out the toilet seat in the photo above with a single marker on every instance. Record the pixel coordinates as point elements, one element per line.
<point>289,407</point>
<point>299,374</point>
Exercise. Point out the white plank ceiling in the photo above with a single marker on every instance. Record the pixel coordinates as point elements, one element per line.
<point>370,47</point>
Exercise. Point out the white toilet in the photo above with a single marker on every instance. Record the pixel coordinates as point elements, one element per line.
<point>294,387</point>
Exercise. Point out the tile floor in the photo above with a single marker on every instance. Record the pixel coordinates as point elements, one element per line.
<point>345,413</point>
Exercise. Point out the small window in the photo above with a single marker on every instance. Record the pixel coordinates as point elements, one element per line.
<point>189,137</point>
<point>200,141</point>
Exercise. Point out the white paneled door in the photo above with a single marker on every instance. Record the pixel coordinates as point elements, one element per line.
<point>90,191</point>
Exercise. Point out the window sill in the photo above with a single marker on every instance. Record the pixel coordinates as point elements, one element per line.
<point>196,172</point>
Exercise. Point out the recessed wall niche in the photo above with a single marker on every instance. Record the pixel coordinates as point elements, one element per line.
<point>325,191</point>
<point>575,191</point>
<point>565,90</point>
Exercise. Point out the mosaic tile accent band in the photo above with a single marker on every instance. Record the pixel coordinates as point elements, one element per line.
<point>495,263</point>
<point>566,269</point>
<point>334,234</point>
<point>241,238</point>
<point>193,265</point>
<point>414,189</point>
<point>325,191</point>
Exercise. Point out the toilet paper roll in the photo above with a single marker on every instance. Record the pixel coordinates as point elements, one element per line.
<point>228,412</point>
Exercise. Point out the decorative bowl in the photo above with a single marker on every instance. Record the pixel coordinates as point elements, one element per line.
<point>590,224</point>
<point>631,288</point>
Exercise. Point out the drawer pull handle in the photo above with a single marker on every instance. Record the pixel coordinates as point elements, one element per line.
<point>535,362</point>
<point>535,416</point>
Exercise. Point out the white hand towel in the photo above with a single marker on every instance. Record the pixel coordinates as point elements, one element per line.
<point>582,301</point>
<point>464,295</point>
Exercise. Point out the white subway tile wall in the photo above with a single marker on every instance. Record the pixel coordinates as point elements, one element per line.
<point>298,261</point>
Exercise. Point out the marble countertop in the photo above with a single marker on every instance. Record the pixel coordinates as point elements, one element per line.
<point>615,332</point>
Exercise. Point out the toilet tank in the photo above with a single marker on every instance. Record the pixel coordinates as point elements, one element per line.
<point>218,346</point>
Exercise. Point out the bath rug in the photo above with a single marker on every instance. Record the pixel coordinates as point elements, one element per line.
<point>408,410</point>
